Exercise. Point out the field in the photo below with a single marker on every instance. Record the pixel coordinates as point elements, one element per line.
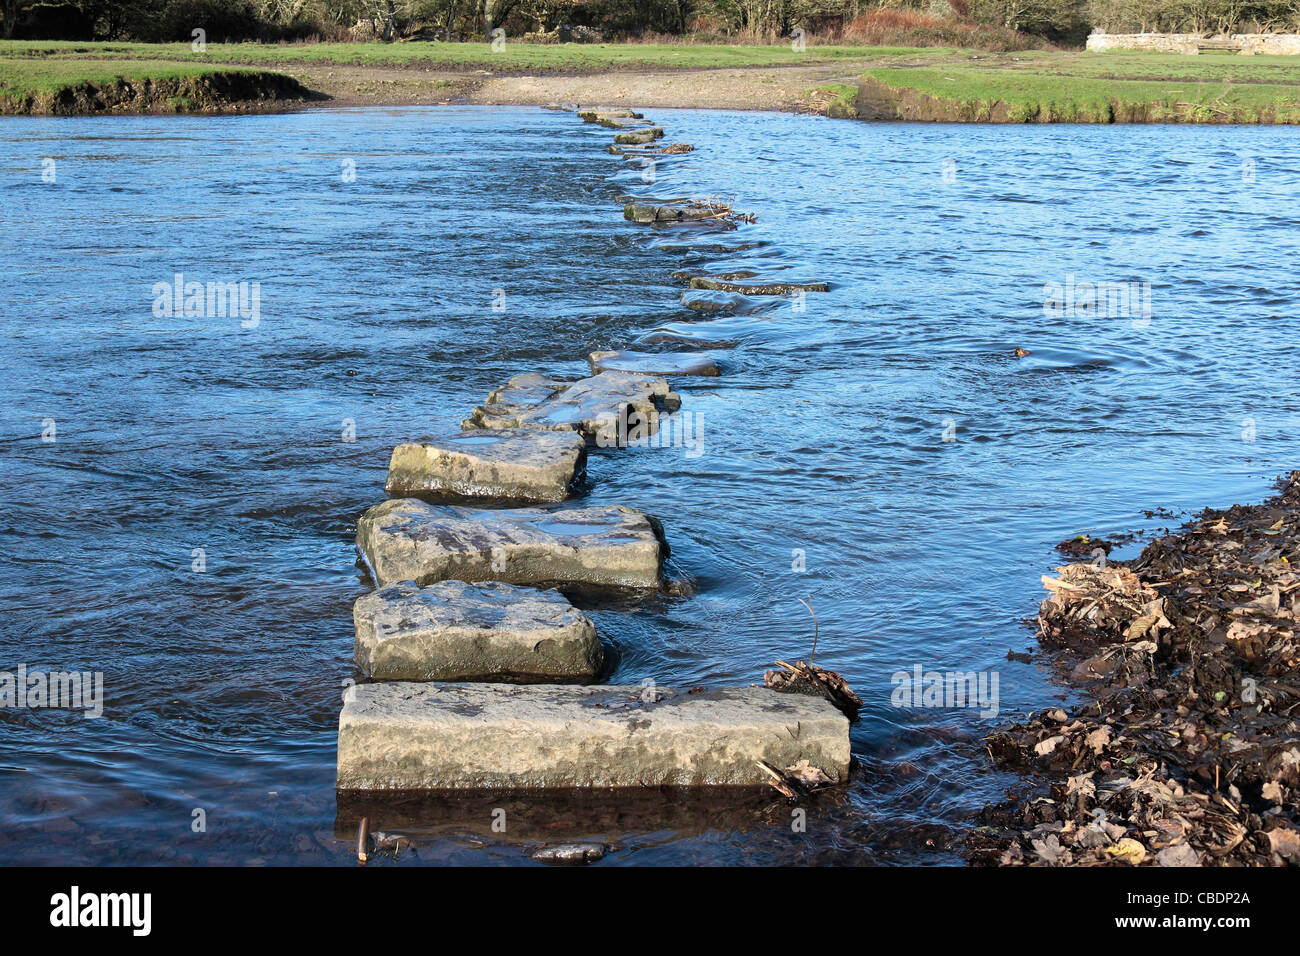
<point>1092,88</point>
<point>902,82</point>
<point>576,57</point>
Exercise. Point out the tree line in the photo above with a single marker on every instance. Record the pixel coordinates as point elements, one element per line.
<point>736,20</point>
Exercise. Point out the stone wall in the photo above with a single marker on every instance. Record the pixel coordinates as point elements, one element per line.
<point>1161,42</point>
<point>1245,43</point>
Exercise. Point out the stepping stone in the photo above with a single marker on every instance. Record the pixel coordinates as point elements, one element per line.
<point>640,213</point>
<point>590,116</point>
<point>654,363</point>
<point>650,149</point>
<point>612,122</point>
<point>686,275</point>
<point>522,464</point>
<point>761,288</point>
<point>706,300</point>
<point>405,736</point>
<point>639,137</point>
<point>457,631</point>
<point>593,406</point>
<point>405,539</point>
<point>570,853</point>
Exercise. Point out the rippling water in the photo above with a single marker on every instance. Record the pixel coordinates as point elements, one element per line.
<point>825,434</point>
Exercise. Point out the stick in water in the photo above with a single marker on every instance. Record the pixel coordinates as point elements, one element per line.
<point>808,605</point>
<point>363,831</point>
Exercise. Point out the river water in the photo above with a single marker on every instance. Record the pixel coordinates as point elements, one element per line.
<point>178,494</point>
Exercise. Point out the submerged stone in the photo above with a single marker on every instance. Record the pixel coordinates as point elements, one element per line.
<point>708,300</point>
<point>654,363</point>
<point>410,736</point>
<point>589,406</point>
<point>524,464</point>
<point>757,288</point>
<point>452,630</point>
<point>570,853</point>
<point>650,149</point>
<point>404,539</point>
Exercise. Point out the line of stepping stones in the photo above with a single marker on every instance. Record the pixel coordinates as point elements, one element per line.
<point>479,671</point>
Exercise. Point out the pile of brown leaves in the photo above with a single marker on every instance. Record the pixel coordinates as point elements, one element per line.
<point>1190,751</point>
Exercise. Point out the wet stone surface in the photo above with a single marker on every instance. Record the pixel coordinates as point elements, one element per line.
<point>453,630</point>
<point>463,736</point>
<point>589,406</point>
<point>405,539</point>
<point>523,464</point>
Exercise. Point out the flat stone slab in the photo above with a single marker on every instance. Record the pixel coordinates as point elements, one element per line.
<point>645,213</point>
<point>614,122</point>
<point>639,136</point>
<point>590,406</point>
<point>452,630</point>
<point>405,539</point>
<point>653,363</point>
<point>522,464</point>
<point>405,736</point>
<point>651,149</point>
<point>592,115</point>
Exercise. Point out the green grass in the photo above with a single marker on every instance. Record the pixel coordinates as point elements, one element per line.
<point>1161,66</point>
<point>1156,88</point>
<point>455,56</point>
<point>20,77</point>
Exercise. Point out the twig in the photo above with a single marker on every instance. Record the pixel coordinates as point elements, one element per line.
<point>809,606</point>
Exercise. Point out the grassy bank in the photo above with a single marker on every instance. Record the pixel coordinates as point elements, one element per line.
<point>41,86</point>
<point>1088,88</point>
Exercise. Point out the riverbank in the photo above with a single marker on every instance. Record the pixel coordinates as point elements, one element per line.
<point>56,87</point>
<point>1186,751</point>
<point>870,83</point>
<point>432,74</point>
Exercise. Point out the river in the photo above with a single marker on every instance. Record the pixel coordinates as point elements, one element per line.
<point>178,494</point>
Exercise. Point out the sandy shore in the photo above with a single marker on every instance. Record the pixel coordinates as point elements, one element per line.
<point>752,88</point>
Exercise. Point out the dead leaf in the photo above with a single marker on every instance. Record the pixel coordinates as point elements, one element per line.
<point>1045,747</point>
<point>1051,852</point>
<point>1285,843</point>
<point>1128,850</point>
<point>1098,739</point>
<point>1180,854</point>
<point>1081,784</point>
